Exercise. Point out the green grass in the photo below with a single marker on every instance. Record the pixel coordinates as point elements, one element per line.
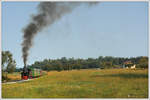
<point>111,83</point>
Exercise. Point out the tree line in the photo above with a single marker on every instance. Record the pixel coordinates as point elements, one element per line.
<point>100,62</point>
<point>9,64</point>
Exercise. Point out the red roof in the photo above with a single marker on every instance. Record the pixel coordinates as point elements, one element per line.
<point>127,62</point>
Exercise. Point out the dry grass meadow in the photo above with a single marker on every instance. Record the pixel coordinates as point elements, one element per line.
<point>91,83</point>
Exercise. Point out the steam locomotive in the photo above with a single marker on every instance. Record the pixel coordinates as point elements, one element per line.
<point>29,73</point>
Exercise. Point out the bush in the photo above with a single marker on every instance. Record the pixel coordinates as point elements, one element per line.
<point>4,77</point>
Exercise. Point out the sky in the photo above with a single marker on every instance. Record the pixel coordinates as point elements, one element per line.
<point>118,29</point>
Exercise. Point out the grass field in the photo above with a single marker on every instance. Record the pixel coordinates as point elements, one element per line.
<point>110,83</point>
<point>14,76</point>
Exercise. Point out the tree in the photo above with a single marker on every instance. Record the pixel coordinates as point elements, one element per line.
<point>11,67</point>
<point>106,64</point>
<point>143,62</point>
<point>8,64</point>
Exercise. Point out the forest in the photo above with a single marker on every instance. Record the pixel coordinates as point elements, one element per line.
<point>107,62</point>
<point>99,63</point>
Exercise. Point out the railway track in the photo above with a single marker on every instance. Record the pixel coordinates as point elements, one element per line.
<point>17,81</point>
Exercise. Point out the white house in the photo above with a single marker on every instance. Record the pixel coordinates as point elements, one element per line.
<point>133,67</point>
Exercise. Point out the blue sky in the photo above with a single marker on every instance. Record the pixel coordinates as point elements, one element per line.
<point>117,29</point>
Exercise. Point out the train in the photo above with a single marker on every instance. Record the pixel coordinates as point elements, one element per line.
<point>29,73</point>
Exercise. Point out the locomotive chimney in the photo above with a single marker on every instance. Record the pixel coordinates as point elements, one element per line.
<point>25,68</point>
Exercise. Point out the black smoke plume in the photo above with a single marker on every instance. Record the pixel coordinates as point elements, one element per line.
<point>48,13</point>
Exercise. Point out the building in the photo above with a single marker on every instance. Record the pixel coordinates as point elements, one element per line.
<point>127,64</point>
